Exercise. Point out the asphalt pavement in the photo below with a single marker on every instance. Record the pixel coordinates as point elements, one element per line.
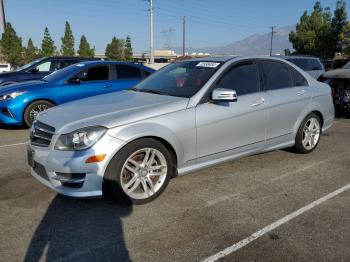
<point>277,206</point>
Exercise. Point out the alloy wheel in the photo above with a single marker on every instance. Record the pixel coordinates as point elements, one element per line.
<point>311,133</point>
<point>143,173</point>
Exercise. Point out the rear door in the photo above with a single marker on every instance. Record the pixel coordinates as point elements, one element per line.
<point>95,80</point>
<point>288,94</point>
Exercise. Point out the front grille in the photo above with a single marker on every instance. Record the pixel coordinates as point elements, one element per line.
<point>41,134</point>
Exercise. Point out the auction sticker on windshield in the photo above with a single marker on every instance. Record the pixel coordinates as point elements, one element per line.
<point>208,64</point>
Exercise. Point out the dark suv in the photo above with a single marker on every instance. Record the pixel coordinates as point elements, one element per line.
<point>39,68</point>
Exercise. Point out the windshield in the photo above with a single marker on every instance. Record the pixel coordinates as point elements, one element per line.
<point>63,73</point>
<point>182,79</point>
<point>347,65</point>
<point>26,66</point>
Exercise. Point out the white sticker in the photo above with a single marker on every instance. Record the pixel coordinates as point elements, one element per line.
<point>208,64</point>
<point>80,65</point>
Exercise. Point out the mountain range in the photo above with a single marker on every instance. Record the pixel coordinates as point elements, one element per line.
<point>257,44</point>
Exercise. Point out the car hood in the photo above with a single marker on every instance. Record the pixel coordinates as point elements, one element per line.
<point>110,110</point>
<point>337,73</point>
<point>4,75</point>
<point>21,86</point>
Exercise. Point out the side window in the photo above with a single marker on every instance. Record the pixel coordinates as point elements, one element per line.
<point>127,71</point>
<point>44,67</point>
<point>95,74</point>
<point>276,75</point>
<point>242,78</point>
<point>314,64</point>
<point>298,79</point>
<point>65,63</point>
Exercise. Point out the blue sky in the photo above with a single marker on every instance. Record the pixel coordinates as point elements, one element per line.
<point>209,22</point>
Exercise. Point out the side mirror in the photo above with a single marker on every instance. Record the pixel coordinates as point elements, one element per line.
<point>33,70</point>
<point>224,95</point>
<point>74,81</point>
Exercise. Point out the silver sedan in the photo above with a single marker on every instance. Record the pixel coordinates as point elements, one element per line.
<point>188,116</point>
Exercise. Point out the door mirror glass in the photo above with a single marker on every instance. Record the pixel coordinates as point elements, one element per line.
<point>74,81</point>
<point>224,95</point>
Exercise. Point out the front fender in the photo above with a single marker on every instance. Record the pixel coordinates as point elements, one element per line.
<point>139,130</point>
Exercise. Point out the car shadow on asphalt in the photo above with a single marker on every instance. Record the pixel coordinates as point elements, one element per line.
<point>9,127</point>
<point>80,230</point>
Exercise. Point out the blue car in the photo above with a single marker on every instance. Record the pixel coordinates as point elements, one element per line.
<point>20,103</point>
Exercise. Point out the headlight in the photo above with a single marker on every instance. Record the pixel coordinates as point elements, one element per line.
<point>11,96</point>
<point>80,139</point>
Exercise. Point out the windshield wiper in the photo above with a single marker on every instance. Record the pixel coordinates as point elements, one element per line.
<point>149,91</point>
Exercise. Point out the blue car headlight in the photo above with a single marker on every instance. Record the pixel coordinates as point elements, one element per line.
<point>80,139</point>
<point>12,95</point>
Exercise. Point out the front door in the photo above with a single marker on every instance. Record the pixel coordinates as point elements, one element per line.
<point>93,81</point>
<point>225,126</point>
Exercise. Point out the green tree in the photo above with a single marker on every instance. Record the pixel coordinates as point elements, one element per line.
<point>128,53</point>
<point>84,48</point>
<point>312,35</point>
<point>30,52</point>
<point>48,47</point>
<point>338,26</point>
<point>67,47</point>
<point>115,49</point>
<point>11,46</point>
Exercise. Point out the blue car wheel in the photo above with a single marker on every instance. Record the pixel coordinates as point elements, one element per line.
<point>34,109</point>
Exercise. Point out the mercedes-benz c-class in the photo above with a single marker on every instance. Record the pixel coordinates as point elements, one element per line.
<point>187,116</point>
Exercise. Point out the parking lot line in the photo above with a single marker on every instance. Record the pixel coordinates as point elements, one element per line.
<point>18,144</point>
<point>274,225</point>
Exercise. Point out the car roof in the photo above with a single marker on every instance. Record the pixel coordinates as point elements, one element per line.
<point>296,56</point>
<point>70,58</point>
<point>108,62</point>
<point>221,59</point>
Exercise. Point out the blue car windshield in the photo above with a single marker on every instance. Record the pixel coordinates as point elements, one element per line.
<point>30,64</point>
<point>183,79</point>
<point>63,73</point>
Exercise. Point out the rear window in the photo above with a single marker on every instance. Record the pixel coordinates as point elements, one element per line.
<point>127,72</point>
<point>306,64</point>
<point>298,79</point>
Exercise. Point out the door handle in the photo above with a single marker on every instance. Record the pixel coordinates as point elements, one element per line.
<point>258,102</point>
<point>300,93</point>
<point>107,86</point>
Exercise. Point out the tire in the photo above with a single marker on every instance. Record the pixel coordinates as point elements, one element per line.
<point>309,134</point>
<point>38,106</point>
<point>129,164</point>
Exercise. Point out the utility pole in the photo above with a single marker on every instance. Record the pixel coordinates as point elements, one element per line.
<point>2,17</point>
<point>151,31</point>
<point>272,32</point>
<point>183,36</point>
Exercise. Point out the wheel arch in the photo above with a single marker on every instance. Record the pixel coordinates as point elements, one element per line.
<point>35,100</point>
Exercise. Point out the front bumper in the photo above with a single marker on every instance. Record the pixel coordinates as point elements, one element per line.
<point>50,163</point>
